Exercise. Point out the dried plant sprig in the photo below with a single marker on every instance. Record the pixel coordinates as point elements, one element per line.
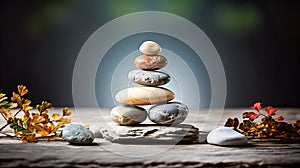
<point>32,125</point>
<point>269,127</point>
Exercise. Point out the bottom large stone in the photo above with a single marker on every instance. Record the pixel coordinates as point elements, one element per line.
<point>151,133</point>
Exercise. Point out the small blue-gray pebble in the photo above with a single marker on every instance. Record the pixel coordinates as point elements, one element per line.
<point>149,78</point>
<point>77,134</point>
<point>169,113</point>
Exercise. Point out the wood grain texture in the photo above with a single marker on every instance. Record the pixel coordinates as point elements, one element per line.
<point>103,153</point>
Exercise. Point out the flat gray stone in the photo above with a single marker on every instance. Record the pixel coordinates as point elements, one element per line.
<point>151,133</point>
<point>77,134</point>
<point>170,113</point>
<point>225,136</point>
<point>148,78</point>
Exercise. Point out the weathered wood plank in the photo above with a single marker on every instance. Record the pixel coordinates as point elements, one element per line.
<point>106,154</point>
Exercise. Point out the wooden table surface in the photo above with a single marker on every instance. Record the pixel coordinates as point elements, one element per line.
<point>103,153</point>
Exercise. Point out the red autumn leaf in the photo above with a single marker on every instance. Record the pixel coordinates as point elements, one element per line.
<point>251,115</point>
<point>279,118</point>
<point>257,106</point>
<point>271,110</point>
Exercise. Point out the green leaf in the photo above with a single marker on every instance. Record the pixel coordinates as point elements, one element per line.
<point>2,95</point>
<point>24,125</point>
<point>4,103</point>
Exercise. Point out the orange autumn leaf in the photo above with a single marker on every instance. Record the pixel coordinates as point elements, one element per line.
<point>22,90</point>
<point>66,112</point>
<point>66,120</point>
<point>41,131</point>
<point>52,138</point>
<point>44,106</point>
<point>29,138</point>
<point>13,105</point>
<point>56,116</point>
<point>46,116</point>
<point>17,98</point>
<point>31,125</point>
<point>26,107</point>
<point>270,110</point>
<point>40,119</point>
<point>50,128</point>
<point>7,113</point>
<point>14,97</point>
<point>35,115</point>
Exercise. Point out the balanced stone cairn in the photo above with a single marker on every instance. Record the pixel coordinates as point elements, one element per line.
<point>162,112</point>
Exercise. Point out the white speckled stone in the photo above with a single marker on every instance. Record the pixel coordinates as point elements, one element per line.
<point>148,78</point>
<point>225,136</point>
<point>150,48</point>
<point>77,134</point>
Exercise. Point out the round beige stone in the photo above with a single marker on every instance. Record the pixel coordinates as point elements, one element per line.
<point>144,95</point>
<point>128,114</point>
<point>150,48</point>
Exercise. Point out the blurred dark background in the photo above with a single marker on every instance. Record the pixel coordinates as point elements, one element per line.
<point>258,42</point>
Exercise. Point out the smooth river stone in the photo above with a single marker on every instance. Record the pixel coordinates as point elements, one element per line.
<point>169,113</point>
<point>128,114</point>
<point>150,48</point>
<point>77,134</point>
<point>144,95</point>
<point>225,136</point>
<point>149,78</point>
<point>150,62</point>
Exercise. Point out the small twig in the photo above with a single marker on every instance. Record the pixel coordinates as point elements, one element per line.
<point>8,123</point>
<point>4,127</point>
<point>17,112</point>
<point>8,135</point>
<point>4,116</point>
<point>261,114</point>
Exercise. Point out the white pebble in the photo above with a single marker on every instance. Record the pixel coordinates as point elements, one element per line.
<point>150,48</point>
<point>225,136</point>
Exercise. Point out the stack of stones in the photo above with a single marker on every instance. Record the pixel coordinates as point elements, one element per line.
<point>150,93</point>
